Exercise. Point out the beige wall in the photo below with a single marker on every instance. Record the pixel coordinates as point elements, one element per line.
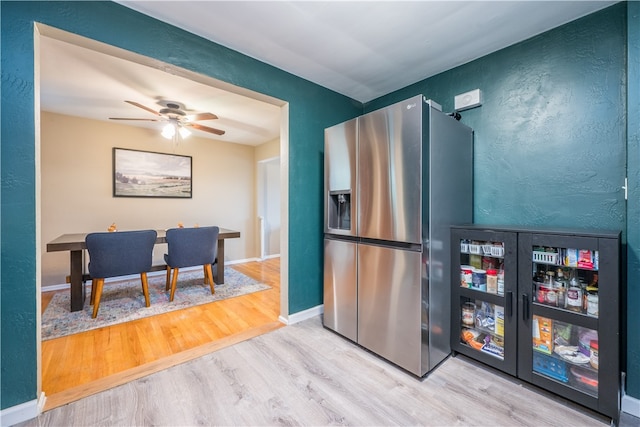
<point>268,150</point>
<point>76,185</point>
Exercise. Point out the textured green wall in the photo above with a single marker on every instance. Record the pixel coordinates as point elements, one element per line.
<point>551,136</point>
<point>311,107</point>
<point>633,209</point>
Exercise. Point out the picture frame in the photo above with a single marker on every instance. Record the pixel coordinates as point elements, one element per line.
<point>138,173</point>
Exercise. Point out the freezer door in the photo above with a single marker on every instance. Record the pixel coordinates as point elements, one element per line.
<point>340,192</point>
<point>389,171</point>
<point>340,287</point>
<point>389,302</point>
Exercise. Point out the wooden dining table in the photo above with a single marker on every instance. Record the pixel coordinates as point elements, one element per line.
<point>75,244</point>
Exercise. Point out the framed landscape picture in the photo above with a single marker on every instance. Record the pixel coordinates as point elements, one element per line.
<point>148,174</point>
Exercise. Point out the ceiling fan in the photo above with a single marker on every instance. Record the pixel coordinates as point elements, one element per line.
<point>174,113</point>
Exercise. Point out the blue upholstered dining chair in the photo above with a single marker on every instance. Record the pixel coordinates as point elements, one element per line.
<point>119,254</point>
<point>189,247</point>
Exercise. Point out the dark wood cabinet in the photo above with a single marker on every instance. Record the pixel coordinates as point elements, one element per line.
<point>554,321</point>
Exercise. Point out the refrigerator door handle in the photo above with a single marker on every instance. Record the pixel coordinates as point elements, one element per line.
<point>509,304</point>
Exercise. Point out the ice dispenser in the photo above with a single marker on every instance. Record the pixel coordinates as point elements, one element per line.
<point>340,210</point>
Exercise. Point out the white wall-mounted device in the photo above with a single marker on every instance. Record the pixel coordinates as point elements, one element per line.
<point>467,100</point>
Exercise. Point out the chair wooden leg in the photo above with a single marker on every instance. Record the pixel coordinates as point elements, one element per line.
<point>98,283</point>
<point>208,277</point>
<point>173,283</point>
<point>166,288</point>
<point>145,289</point>
<point>93,292</point>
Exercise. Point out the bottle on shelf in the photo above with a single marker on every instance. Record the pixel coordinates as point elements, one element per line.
<point>551,296</point>
<point>501,279</point>
<point>540,285</point>
<point>475,261</point>
<point>489,263</point>
<point>574,293</point>
<point>561,288</point>
<point>591,297</point>
<point>492,281</point>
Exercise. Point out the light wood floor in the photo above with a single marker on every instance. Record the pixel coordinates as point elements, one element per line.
<point>82,364</point>
<point>303,374</point>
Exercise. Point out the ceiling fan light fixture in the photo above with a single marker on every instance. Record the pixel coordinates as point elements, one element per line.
<point>177,118</point>
<point>184,132</point>
<point>169,131</point>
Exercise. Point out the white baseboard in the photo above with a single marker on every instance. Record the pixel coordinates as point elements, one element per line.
<point>23,412</point>
<point>59,287</point>
<point>630,405</point>
<point>302,315</point>
<point>63,286</point>
<point>240,261</point>
<point>270,257</point>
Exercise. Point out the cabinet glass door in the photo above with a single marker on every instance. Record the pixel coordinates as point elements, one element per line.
<point>483,322</point>
<point>482,269</point>
<point>565,310</point>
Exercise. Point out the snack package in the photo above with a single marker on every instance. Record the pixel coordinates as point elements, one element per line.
<point>571,258</point>
<point>542,331</point>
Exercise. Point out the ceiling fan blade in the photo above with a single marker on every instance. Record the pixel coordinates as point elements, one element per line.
<point>205,128</point>
<point>125,118</point>
<point>201,116</point>
<point>143,107</point>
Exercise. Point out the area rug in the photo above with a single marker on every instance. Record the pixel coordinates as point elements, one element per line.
<point>123,301</point>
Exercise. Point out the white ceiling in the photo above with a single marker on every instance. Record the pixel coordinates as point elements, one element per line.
<point>362,49</point>
<point>83,82</point>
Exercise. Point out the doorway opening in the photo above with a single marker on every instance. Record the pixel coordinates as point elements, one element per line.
<point>269,207</point>
<point>45,261</point>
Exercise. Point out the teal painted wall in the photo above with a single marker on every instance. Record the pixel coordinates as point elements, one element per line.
<point>312,108</point>
<point>633,208</point>
<point>551,136</point>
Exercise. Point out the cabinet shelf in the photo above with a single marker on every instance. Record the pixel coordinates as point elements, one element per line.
<point>586,365</point>
<point>555,259</point>
<point>484,254</point>
<point>472,293</point>
<point>566,316</point>
<point>485,350</point>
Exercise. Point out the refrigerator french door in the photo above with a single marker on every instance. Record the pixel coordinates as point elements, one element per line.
<point>340,229</point>
<point>389,253</point>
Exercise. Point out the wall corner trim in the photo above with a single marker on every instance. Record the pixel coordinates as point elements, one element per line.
<point>22,412</point>
<point>302,315</point>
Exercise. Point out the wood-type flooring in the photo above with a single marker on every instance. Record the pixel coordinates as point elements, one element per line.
<point>304,374</point>
<point>78,365</point>
<point>301,374</point>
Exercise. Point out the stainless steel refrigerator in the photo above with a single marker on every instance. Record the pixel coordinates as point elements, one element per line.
<point>395,180</point>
